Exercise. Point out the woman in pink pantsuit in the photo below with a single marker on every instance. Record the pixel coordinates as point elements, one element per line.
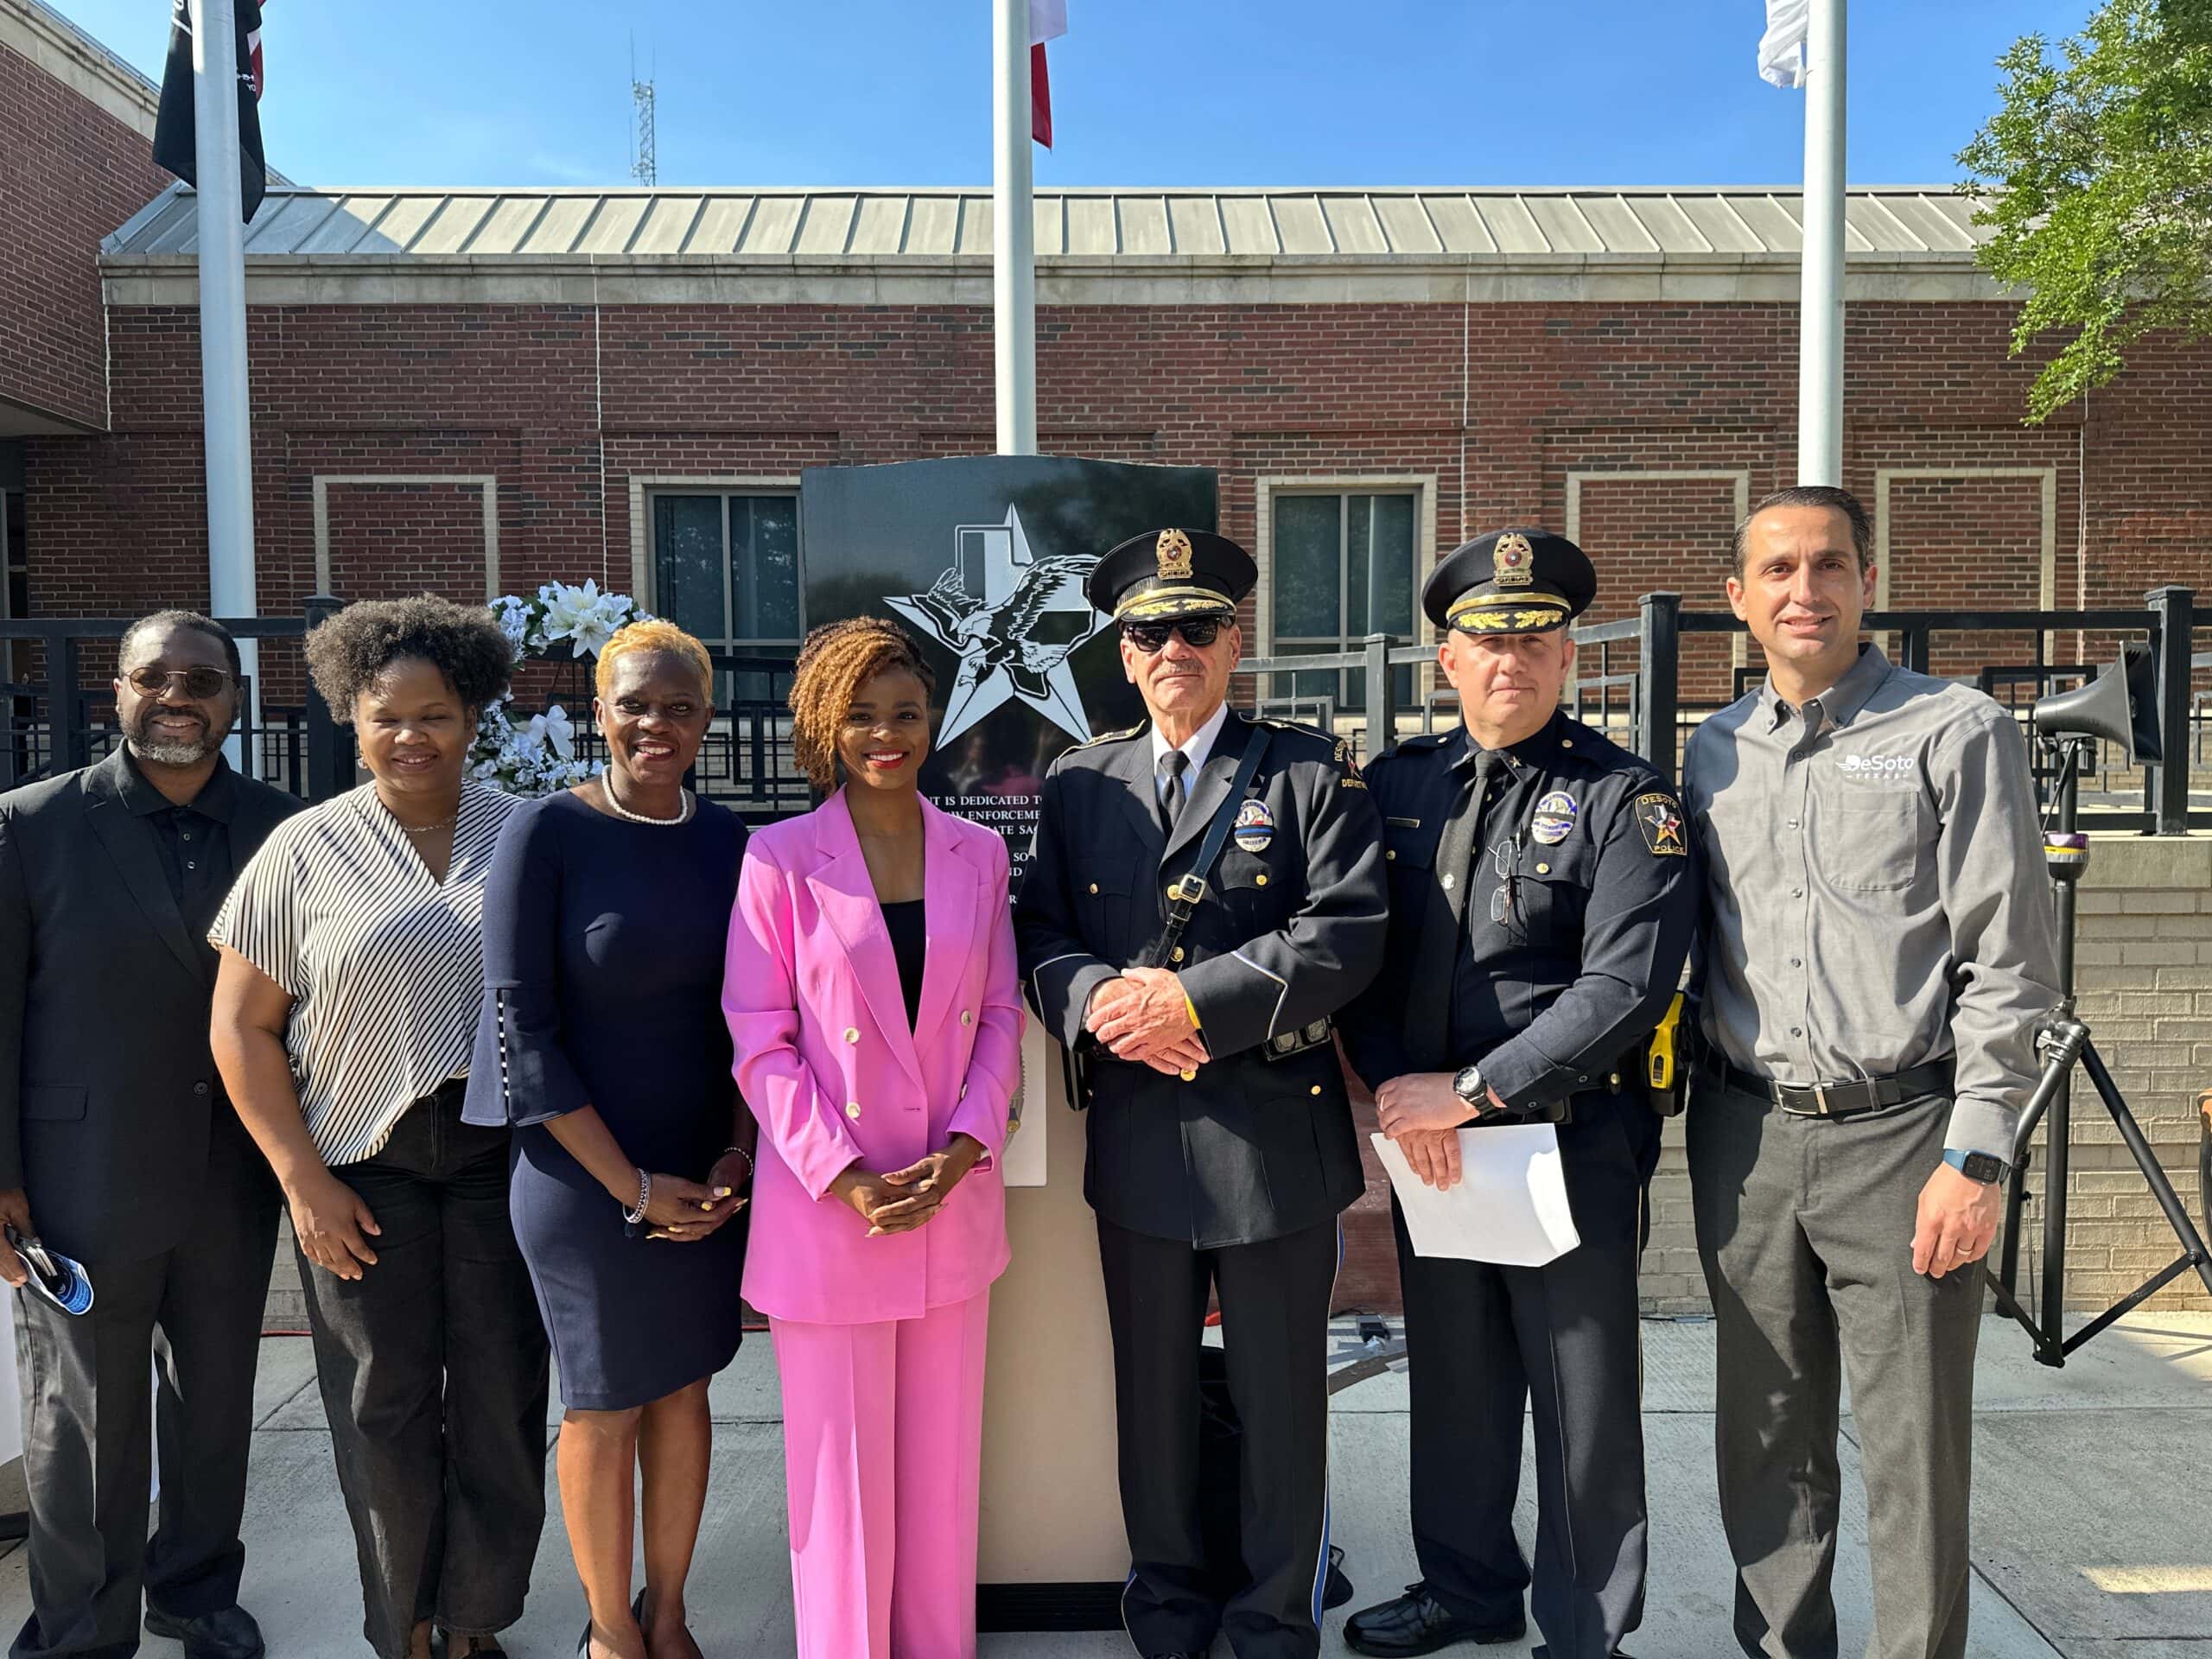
<point>872,1002</point>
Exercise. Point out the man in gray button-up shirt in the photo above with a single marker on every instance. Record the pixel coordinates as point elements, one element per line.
<point>1878,951</point>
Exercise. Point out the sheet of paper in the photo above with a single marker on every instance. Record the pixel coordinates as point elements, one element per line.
<point>1509,1208</point>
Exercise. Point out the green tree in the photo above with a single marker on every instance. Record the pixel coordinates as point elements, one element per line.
<point>2095,177</point>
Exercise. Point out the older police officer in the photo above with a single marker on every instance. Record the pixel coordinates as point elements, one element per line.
<point>1221,1146</point>
<point>1878,951</point>
<point>1542,905</point>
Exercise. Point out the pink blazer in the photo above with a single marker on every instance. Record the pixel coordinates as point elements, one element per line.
<point>833,1072</point>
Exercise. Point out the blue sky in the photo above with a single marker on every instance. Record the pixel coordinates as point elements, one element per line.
<point>1145,91</point>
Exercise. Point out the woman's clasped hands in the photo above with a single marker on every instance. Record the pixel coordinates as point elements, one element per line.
<point>900,1201</point>
<point>687,1211</point>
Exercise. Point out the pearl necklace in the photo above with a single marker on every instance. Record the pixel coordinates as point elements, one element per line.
<point>621,811</point>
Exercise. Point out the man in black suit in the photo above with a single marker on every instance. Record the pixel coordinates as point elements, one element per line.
<point>1221,1144</point>
<point>118,1148</point>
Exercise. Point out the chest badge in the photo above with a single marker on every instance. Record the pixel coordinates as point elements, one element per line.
<point>1554,818</point>
<point>1254,827</point>
<point>1661,821</point>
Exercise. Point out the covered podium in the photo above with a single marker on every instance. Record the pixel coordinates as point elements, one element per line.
<point>983,561</point>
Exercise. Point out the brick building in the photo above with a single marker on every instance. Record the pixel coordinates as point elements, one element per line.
<point>478,390</point>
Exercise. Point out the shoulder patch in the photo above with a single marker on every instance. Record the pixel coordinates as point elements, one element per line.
<point>1659,817</point>
<point>1107,737</point>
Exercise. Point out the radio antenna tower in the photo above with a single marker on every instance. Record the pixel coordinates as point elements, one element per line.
<point>643,166</point>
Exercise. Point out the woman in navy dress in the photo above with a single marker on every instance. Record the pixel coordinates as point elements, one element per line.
<point>603,1042</point>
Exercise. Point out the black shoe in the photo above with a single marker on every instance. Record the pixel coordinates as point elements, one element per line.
<point>226,1633</point>
<point>1416,1623</point>
<point>1539,1651</point>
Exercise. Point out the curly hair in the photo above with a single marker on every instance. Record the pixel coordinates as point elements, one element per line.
<point>658,639</point>
<point>836,659</point>
<point>347,653</point>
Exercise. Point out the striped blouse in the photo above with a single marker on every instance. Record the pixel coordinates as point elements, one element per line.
<point>384,965</point>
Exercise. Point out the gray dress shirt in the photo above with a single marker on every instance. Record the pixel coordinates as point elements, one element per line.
<point>1875,892</point>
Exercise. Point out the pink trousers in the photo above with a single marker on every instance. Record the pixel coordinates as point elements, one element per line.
<point>883,1442</point>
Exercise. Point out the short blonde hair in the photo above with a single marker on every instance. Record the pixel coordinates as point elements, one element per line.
<point>661,639</point>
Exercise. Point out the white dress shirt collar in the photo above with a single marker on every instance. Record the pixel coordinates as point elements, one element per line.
<point>1196,751</point>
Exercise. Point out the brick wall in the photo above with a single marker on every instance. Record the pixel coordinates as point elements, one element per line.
<point>72,172</point>
<point>564,405</point>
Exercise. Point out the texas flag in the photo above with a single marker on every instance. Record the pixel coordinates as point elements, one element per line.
<point>1048,21</point>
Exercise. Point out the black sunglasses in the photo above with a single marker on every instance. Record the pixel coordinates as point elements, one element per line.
<point>199,684</point>
<point>1151,637</point>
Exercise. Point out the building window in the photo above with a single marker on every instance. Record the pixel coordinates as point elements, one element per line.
<point>725,569</point>
<point>1343,567</point>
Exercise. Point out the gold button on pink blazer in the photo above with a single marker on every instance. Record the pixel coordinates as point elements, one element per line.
<point>830,1069</point>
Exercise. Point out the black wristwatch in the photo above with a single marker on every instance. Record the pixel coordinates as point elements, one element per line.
<point>1984,1167</point>
<point>1468,1084</point>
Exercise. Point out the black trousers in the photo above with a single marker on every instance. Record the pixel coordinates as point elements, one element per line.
<point>196,1309</point>
<point>1484,1342</point>
<point>433,1366</point>
<point>1274,1316</point>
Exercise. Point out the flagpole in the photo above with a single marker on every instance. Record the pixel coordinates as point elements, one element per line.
<point>222,329</point>
<point>1013,232</point>
<point>1820,309</point>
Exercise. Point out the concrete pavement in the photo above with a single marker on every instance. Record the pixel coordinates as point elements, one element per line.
<point>2093,1511</point>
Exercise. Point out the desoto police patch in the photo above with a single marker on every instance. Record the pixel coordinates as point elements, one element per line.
<point>1661,819</point>
<point>1553,818</point>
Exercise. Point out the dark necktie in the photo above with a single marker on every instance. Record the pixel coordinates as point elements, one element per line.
<point>1169,787</point>
<point>1462,831</point>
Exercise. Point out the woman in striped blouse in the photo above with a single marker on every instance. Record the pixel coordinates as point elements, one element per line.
<point>344,1011</point>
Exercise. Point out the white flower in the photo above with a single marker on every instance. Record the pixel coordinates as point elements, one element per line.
<point>573,613</point>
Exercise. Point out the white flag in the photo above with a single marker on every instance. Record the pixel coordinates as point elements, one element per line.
<point>1048,21</point>
<point>1782,49</point>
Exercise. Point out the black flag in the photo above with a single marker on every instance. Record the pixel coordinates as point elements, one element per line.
<point>173,127</point>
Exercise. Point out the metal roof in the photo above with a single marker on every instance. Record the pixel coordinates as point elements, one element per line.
<point>869,225</point>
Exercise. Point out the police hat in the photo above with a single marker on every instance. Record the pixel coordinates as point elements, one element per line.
<point>1164,574</point>
<point>1510,582</point>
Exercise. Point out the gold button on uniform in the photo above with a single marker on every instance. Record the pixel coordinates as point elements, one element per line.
<point>1543,869</point>
<point>1176,955</point>
<point>1190,1076</point>
<point>852,1033</point>
<point>1316,1088</point>
<point>967,1016</point>
<point>852,1108</point>
<point>1389,855</point>
<point>1094,887</point>
<point>1259,881</point>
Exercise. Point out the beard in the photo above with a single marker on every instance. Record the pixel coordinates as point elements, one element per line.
<point>171,750</point>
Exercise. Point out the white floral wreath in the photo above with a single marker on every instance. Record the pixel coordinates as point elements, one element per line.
<point>539,756</point>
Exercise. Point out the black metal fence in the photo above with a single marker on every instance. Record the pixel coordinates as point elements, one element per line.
<point>60,714</point>
<point>1629,682</point>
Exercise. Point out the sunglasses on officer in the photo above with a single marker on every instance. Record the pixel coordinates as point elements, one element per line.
<point>1151,637</point>
<point>199,684</point>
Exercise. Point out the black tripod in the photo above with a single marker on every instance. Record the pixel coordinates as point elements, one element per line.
<point>2064,1040</point>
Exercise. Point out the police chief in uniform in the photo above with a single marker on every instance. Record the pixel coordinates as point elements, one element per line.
<point>1221,1148</point>
<point>1542,905</point>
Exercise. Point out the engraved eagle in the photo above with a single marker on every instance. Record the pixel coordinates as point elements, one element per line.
<point>990,637</point>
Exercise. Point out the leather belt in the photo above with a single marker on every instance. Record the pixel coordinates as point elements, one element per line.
<point>1839,1099</point>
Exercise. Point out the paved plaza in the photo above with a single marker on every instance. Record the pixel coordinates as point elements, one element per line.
<point>2093,1522</point>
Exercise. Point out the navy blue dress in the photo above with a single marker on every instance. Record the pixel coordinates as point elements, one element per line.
<point>603,951</point>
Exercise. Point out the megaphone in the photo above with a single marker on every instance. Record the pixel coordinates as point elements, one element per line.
<point>2121,706</point>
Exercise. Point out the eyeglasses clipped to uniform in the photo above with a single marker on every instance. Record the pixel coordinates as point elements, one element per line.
<point>199,684</point>
<point>1151,637</point>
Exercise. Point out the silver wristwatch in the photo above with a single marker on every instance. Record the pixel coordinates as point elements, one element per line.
<point>1468,1084</point>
